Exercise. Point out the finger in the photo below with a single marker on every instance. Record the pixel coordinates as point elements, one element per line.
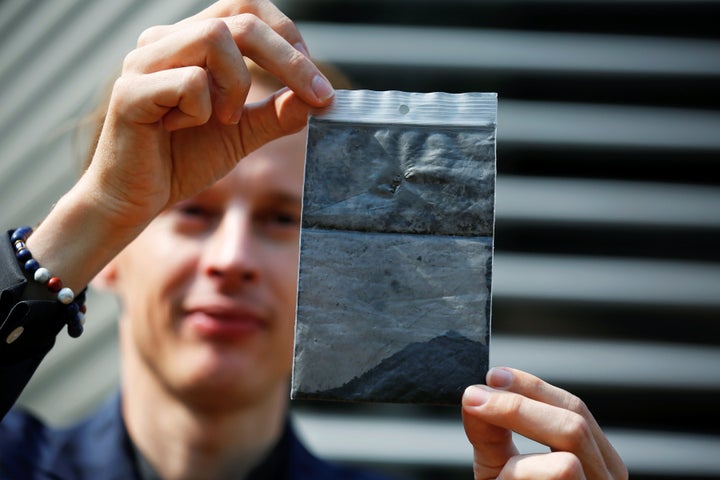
<point>546,465</point>
<point>178,98</point>
<point>255,39</point>
<point>209,45</point>
<point>259,42</point>
<point>556,427</point>
<point>262,9</point>
<point>281,114</point>
<point>492,445</point>
<point>158,32</point>
<point>533,387</point>
<point>255,20</point>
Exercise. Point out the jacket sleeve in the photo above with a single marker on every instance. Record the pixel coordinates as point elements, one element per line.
<point>28,327</point>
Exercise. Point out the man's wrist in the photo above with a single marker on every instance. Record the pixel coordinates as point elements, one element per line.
<point>79,237</point>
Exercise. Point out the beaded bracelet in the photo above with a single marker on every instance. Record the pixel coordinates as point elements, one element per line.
<point>75,305</point>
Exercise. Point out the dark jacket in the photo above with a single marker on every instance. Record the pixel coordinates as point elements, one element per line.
<point>99,448</point>
<point>40,321</point>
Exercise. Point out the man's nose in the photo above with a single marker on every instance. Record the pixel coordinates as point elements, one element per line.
<point>231,250</point>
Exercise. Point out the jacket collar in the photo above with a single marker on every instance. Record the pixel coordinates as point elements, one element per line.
<point>99,447</point>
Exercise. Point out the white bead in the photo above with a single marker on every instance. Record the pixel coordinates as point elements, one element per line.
<point>81,317</point>
<point>42,275</point>
<point>14,335</point>
<point>66,296</point>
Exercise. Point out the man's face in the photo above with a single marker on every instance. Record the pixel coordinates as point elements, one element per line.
<point>208,289</point>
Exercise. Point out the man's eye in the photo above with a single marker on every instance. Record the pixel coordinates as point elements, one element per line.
<point>193,217</point>
<point>285,218</point>
<point>193,211</point>
<point>278,224</point>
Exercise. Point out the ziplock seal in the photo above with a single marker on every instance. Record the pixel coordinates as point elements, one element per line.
<point>476,109</point>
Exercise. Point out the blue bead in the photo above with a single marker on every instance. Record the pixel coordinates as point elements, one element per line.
<point>72,311</point>
<point>23,255</point>
<point>21,234</point>
<point>31,266</point>
<point>75,328</point>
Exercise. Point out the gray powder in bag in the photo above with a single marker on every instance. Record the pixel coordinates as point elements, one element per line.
<point>394,285</point>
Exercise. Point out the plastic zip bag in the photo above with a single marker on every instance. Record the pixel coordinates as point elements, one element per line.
<point>396,248</point>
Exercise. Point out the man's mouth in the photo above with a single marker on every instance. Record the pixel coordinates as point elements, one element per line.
<point>225,322</point>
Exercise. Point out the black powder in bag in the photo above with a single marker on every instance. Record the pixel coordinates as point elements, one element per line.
<point>396,248</point>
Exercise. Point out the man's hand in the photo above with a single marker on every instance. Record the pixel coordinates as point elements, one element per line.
<point>177,122</point>
<point>177,119</point>
<point>515,401</point>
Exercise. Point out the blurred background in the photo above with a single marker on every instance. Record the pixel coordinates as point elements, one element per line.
<point>607,271</point>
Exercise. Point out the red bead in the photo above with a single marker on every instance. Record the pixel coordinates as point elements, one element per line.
<point>83,308</point>
<point>54,284</point>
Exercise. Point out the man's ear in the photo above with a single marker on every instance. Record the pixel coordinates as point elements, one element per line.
<point>106,279</point>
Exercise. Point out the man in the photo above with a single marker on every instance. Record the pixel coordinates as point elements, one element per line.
<point>190,212</point>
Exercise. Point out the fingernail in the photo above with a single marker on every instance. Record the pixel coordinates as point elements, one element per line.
<point>235,119</point>
<point>322,88</point>
<point>499,377</point>
<point>300,47</point>
<point>475,396</point>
